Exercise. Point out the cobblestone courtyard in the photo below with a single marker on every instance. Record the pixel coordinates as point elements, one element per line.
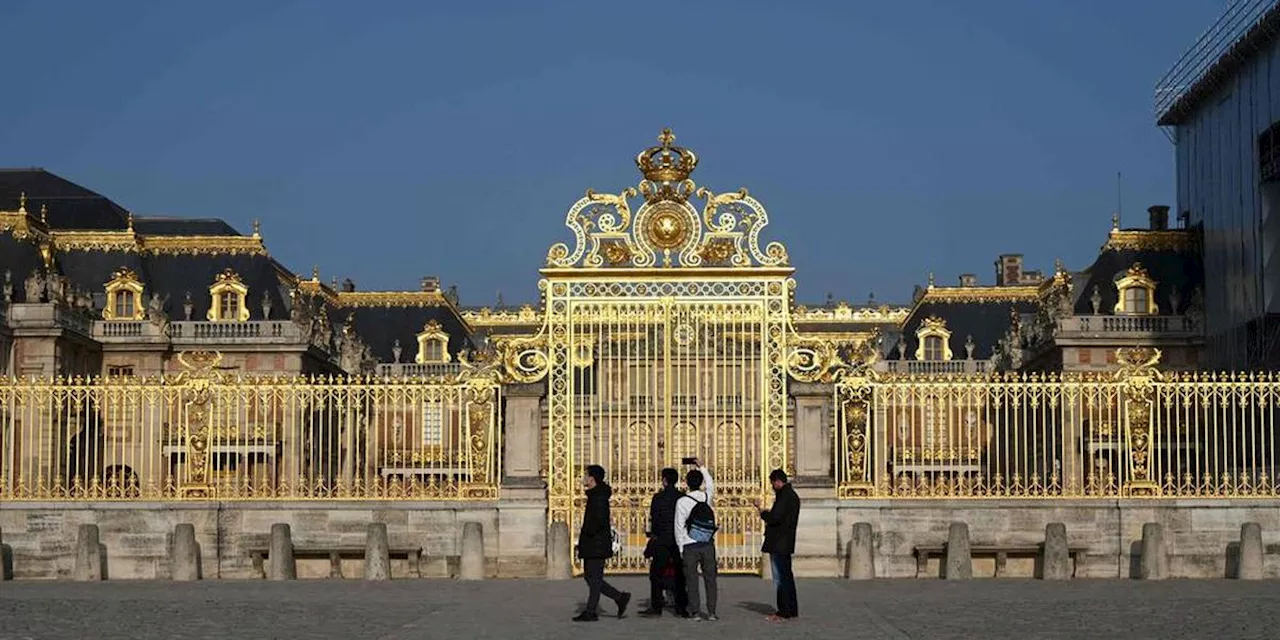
<point>533,609</point>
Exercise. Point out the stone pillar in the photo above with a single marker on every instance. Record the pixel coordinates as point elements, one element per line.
<point>522,433</point>
<point>813,434</point>
<point>860,557</point>
<point>89,556</point>
<point>959,562</point>
<point>6,560</point>
<point>377,552</point>
<point>1055,558</point>
<point>1154,564</point>
<point>280,558</point>
<point>559,553</point>
<point>184,557</point>
<point>1251,552</point>
<point>472,565</point>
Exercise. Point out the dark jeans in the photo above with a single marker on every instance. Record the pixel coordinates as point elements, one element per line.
<point>785,582</point>
<point>658,582</point>
<point>593,572</point>
<point>700,554</point>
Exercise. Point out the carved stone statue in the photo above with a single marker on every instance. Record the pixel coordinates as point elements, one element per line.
<point>35,287</point>
<point>396,350</point>
<point>1096,300</point>
<point>8,286</point>
<point>156,313</point>
<point>266,305</point>
<point>1195,310</point>
<point>1175,301</point>
<point>187,306</point>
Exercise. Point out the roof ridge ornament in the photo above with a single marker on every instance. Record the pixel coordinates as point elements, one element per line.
<point>667,230</point>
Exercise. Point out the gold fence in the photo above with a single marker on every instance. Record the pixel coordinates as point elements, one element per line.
<point>209,437</point>
<point>1138,433</point>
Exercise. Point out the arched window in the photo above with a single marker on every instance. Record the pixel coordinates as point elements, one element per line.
<point>1137,292</point>
<point>433,344</point>
<point>934,340</point>
<point>228,293</point>
<point>124,296</point>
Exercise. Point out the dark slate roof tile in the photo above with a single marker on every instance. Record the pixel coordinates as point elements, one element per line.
<point>71,206</point>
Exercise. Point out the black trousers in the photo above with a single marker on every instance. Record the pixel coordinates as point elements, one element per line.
<point>785,582</point>
<point>663,557</point>
<point>593,572</point>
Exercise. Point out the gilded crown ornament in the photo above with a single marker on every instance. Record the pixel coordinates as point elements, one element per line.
<point>667,230</point>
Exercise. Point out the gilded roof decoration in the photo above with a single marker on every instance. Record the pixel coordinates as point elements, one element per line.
<point>666,230</point>
<point>844,313</point>
<point>981,294</point>
<point>487,317</point>
<point>1142,240</point>
<point>390,299</point>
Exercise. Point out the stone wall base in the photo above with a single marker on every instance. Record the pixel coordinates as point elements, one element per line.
<point>138,535</point>
<point>1199,533</point>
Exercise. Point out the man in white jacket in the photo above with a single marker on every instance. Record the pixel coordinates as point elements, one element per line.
<point>697,554</point>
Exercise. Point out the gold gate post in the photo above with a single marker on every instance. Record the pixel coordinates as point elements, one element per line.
<point>1139,376</point>
<point>854,438</point>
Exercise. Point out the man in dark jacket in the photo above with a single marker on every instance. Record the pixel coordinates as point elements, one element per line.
<point>780,542</point>
<point>595,545</point>
<point>665,570</point>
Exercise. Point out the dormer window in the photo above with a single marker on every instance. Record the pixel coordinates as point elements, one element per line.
<point>228,294</point>
<point>433,344</point>
<point>124,296</point>
<point>1137,292</point>
<point>934,340</point>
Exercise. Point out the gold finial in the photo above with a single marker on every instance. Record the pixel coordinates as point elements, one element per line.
<point>1115,221</point>
<point>22,202</point>
<point>44,214</point>
<point>666,137</point>
<point>1058,267</point>
<point>257,228</point>
<point>315,273</point>
<point>130,221</point>
<point>930,279</point>
<point>666,165</point>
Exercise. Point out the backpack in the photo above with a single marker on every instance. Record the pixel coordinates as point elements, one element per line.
<point>701,524</point>
<point>615,540</point>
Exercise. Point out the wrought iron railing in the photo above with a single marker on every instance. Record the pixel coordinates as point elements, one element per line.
<point>1140,433</point>
<point>209,437</point>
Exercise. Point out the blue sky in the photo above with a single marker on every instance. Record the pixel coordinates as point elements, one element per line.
<point>385,141</point>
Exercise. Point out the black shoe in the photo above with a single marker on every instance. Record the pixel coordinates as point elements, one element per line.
<point>585,617</point>
<point>651,613</point>
<point>622,604</point>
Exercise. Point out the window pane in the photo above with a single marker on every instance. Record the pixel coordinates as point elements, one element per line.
<point>933,348</point>
<point>124,304</point>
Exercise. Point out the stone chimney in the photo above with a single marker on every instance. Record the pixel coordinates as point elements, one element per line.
<point>968,280</point>
<point>430,283</point>
<point>1159,217</point>
<point>1009,270</point>
<point>348,285</point>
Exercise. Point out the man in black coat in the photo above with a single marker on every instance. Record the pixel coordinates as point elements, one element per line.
<point>780,542</point>
<point>595,545</point>
<point>665,570</point>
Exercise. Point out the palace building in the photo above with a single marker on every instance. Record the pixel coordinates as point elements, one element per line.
<point>175,360</point>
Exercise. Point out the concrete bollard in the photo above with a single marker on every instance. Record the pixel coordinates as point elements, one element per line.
<point>860,557</point>
<point>959,562</point>
<point>89,558</point>
<point>184,558</point>
<point>1250,552</point>
<point>280,557</point>
<point>1154,563</point>
<point>377,552</point>
<point>472,564</point>
<point>1055,554</point>
<point>559,552</point>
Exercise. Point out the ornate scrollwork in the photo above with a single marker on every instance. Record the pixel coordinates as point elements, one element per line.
<point>523,359</point>
<point>1138,373</point>
<point>667,229</point>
